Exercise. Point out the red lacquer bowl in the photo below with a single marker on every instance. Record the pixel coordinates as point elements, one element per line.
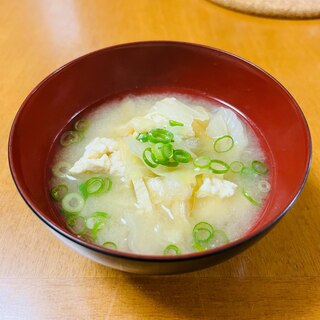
<point>147,66</point>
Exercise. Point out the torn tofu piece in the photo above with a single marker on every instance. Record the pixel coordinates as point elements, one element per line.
<point>142,195</point>
<point>96,156</point>
<point>215,186</point>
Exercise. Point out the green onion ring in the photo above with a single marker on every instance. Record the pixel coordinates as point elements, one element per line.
<point>76,224</point>
<point>143,137</point>
<point>182,156</point>
<point>72,202</point>
<point>171,249</point>
<point>236,166</point>
<point>223,144</point>
<point>110,245</point>
<point>81,125</point>
<point>167,151</point>
<point>203,232</point>
<point>149,161</point>
<point>59,191</point>
<point>156,151</point>
<point>61,168</point>
<point>160,135</point>
<point>219,166</point>
<point>202,162</point>
<point>249,198</point>
<point>69,137</point>
<point>259,167</point>
<point>219,238</point>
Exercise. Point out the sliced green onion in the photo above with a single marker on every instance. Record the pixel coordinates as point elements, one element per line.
<point>160,135</point>
<point>259,167</point>
<point>96,222</point>
<point>202,162</point>
<point>110,245</point>
<point>182,156</point>
<point>69,137</point>
<point>219,166</point>
<point>147,158</point>
<point>236,166</point>
<point>199,246</point>
<point>174,123</point>
<point>219,238</point>
<point>58,192</point>
<point>76,224</point>
<point>95,185</point>
<point>167,150</point>
<point>247,171</point>
<point>72,202</point>
<point>81,125</point>
<point>156,151</point>
<point>249,198</point>
<point>202,231</point>
<point>264,186</point>
<point>223,144</point>
<point>171,164</point>
<point>171,250</point>
<point>61,168</point>
<point>143,137</point>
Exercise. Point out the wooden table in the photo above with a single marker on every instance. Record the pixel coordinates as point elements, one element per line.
<point>40,278</point>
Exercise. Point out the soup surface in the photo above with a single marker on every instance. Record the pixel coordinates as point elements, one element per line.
<point>160,174</point>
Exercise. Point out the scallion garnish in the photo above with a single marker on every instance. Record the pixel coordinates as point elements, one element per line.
<point>170,164</point>
<point>202,162</point>
<point>96,222</point>
<point>61,168</point>
<point>219,166</point>
<point>223,144</point>
<point>157,154</point>
<point>58,192</point>
<point>95,185</point>
<point>171,250</point>
<point>219,238</point>
<point>203,232</point>
<point>236,166</point>
<point>174,123</point>
<point>147,158</point>
<point>259,167</point>
<point>182,156</point>
<point>264,186</point>
<point>70,137</point>
<point>167,151</point>
<point>110,245</point>
<point>72,202</point>
<point>160,135</point>
<point>81,125</point>
<point>143,137</point>
<point>76,224</point>
<point>249,198</point>
<point>199,246</point>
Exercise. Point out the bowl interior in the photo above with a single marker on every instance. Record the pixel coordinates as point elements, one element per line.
<point>171,66</point>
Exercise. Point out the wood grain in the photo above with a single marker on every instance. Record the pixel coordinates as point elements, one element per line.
<point>40,278</point>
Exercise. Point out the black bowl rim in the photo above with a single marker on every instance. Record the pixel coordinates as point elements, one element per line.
<point>157,258</point>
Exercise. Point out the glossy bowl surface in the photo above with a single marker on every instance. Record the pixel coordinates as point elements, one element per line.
<point>155,66</point>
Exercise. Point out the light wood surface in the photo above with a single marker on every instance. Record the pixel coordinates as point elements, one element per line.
<point>40,278</point>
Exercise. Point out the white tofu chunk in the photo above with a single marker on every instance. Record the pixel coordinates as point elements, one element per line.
<point>95,157</point>
<point>215,186</point>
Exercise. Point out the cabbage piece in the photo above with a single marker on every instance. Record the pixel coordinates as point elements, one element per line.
<point>163,111</point>
<point>142,195</point>
<point>225,122</point>
<point>173,109</point>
